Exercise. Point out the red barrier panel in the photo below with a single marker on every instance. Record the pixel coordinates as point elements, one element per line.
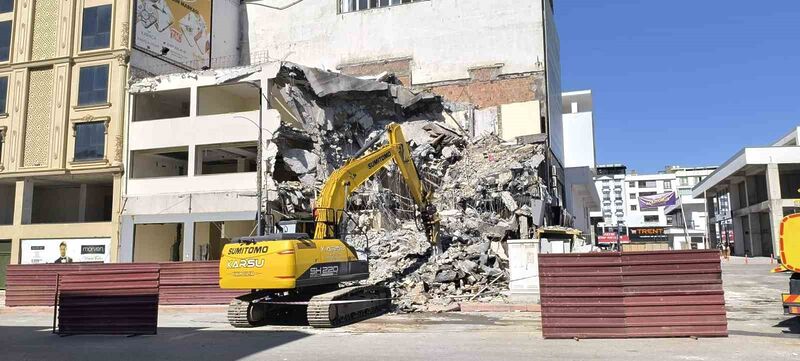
<point>635,294</point>
<point>108,301</point>
<point>181,283</point>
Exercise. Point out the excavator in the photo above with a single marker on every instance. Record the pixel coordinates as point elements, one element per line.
<point>789,247</point>
<point>293,270</point>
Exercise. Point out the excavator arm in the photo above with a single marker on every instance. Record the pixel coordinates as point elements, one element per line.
<point>347,179</point>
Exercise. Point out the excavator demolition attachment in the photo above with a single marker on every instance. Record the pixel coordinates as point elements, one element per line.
<point>292,275</point>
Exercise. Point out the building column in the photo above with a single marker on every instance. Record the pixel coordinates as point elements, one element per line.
<point>82,203</point>
<point>126,237</point>
<point>188,241</point>
<point>23,202</point>
<point>775,207</point>
<point>755,235</point>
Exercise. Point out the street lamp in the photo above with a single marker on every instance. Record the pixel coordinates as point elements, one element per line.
<point>259,166</point>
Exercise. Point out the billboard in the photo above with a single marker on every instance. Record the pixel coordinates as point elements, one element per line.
<point>38,251</point>
<point>611,238</point>
<point>657,200</point>
<point>178,31</point>
<point>648,234</point>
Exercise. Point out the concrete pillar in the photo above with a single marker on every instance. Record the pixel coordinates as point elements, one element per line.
<point>82,203</point>
<point>23,202</point>
<point>188,240</point>
<point>126,236</point>
<point>755,235</point>
<point>739,237</point>
<point>775,207</point>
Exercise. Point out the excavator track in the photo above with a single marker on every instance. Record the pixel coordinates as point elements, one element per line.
<point>347,305</point>
<point>254,310</point>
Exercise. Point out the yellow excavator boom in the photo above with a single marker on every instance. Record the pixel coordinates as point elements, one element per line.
<point>347,179</point>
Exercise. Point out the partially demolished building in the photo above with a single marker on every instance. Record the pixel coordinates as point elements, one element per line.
<point>191,183</point>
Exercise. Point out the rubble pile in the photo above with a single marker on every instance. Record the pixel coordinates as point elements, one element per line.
<point>480,198</point>
<point>482,188</point>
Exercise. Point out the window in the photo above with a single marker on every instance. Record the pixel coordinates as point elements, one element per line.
<point>6,6</point>
<point>153,163</point>
<point>90,141</point>
<point>2,143</point>
<point>667,185</point>
<point>633,195</point>
<point>358,5</point>
<point>683,181</point>
<point>633,208</point>
<point>93,85</point>
<point>651,219</point>
<point>632,184</point>
<point>96,32</point>
<point>3,94</point>
<point>647,184</point>
<point>5,40</point>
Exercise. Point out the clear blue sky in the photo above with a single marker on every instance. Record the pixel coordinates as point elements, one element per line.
<point>682,82</point>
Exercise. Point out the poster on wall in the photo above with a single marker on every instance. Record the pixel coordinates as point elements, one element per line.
<point>73,250</point>
<point>178,31</point>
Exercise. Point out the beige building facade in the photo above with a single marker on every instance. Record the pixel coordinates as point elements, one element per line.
<point>63,74</point>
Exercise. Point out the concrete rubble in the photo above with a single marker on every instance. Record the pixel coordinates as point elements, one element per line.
<point>486,191</point>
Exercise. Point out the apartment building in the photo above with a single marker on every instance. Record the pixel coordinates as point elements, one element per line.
<point>501,72</point>
<point>63,69</point>
<point>610,184</point>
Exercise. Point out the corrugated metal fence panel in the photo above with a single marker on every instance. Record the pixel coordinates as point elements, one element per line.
<point>35,285</point>
<point>193,283</point>
<point>108,301</point>
<point>182,283</point>
<point>636,294</point>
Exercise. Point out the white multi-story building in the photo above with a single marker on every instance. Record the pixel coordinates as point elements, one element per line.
<point>610,184</point>
<point>620,193</point>
<point>191,163</point>
<point>641,185</point>
<point>579,158</point>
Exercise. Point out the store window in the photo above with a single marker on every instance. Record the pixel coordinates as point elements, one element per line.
<point>96,32</point>
<point>90,141</point>
<point>93,85</point>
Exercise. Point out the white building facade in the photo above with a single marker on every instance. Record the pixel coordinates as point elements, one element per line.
<point>506,66</point>
<point>582,196</point>
<point>191,153</point>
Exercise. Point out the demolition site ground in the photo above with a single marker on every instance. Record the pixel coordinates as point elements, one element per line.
<point>757,328</point>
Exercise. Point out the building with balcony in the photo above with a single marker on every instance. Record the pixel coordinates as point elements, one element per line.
<point>761,186</point>
<point>191,160</point>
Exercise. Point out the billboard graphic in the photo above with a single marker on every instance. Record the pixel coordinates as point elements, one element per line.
<point>611,238</point>
<point>648,234</point>
<point>38,251</point>
<point>658,200</point>
<point>178,31</point>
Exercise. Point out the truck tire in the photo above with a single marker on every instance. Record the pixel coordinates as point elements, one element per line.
<point>794,284</point>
